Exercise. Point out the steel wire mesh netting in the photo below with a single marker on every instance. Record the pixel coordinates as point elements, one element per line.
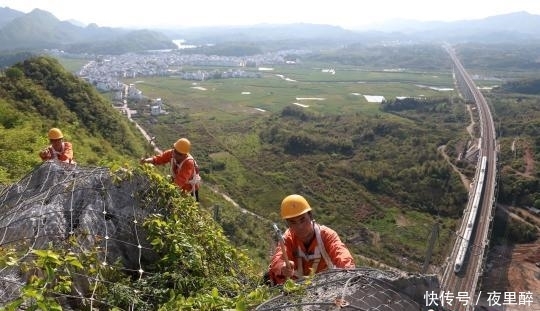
<point>56,203</point>
<point>358,289</point>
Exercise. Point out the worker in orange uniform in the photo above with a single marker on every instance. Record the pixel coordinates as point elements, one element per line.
<point>310,247</point>
<point>58,149</point>
<point>184,168</point>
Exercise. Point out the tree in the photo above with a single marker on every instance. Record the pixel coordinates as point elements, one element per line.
<point>14,73</point>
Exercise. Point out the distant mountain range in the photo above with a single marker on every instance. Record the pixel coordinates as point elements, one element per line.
<point>41,30</point>
<point>507,27</point>
<point>513,27</point>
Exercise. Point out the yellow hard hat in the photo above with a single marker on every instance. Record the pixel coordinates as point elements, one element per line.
<point>294,205</point>
<point>55,133</point>
<point>182,145</point>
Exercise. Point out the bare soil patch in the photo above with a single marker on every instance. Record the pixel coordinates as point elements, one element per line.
<point>515,268</point>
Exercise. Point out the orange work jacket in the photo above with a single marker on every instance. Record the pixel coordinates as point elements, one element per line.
<point>312,257</point>
<point>182,172</point>
<point>65,155</point>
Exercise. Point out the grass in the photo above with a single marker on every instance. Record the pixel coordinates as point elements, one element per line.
<point>227,99</point>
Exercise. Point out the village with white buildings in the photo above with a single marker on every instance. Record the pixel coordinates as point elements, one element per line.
<point>106,72</point>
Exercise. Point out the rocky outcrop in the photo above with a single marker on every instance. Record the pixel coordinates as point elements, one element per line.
<point>57,201</point>
<point>359,289</point>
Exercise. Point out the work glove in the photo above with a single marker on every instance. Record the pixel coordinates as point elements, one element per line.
<point>288,272</point>
<point>45,153</point>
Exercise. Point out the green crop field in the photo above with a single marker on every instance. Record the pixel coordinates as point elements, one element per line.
<point>339,93</point>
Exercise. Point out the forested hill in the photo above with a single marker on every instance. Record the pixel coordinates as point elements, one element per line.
<point>528,86</point>
<point>38,94</point>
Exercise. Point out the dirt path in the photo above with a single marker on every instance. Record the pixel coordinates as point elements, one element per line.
<point>230,200</point>
<point>466,182</point>
<point>528,158</point>
<point>442,149</point>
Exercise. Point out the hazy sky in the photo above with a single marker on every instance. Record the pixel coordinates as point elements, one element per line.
<point>346,13</point>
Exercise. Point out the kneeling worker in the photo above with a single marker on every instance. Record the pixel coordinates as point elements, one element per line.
<point>58,149</point>
<point>310,246</point>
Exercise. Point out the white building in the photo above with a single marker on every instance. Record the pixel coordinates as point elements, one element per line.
<point>155,110</point>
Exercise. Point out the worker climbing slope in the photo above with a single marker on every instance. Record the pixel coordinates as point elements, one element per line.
<point>309,247</point>
<point>184,168</point>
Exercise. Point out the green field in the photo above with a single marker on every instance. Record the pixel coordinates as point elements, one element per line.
<point>340,93</point>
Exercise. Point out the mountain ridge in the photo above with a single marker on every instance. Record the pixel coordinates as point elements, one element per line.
<point>39,29</point>
<point>500,28</point>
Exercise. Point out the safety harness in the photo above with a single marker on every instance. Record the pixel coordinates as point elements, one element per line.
<point>195,177</point>
<point>320,251</point>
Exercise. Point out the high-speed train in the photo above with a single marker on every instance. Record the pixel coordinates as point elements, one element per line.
<point>464,246</point>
